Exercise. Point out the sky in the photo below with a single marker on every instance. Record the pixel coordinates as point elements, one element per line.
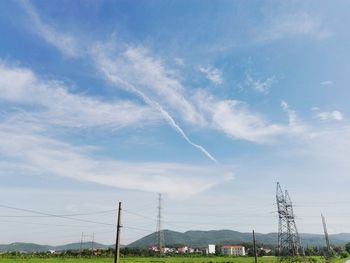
<point>208,103</point>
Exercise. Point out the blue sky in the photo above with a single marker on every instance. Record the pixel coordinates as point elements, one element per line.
<point>208,103</point>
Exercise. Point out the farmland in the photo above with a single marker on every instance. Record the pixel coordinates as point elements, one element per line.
<point>154,260</point>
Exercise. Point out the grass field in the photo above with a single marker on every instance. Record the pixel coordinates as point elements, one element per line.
<point>143,260</point>
<point>151,260</point>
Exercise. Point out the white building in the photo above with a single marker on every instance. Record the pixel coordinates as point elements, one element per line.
<point>233,250</point>
<point>211,249</point>
<point>190,250</point>
<point>153,248</point>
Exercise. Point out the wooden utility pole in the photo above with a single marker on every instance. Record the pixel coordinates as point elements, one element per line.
<point>254,246</point>
<point>81,244</point>
<point>92,244</point>
<point>117,241</point>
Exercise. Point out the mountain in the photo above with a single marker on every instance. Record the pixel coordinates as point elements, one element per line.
<point>28,247</point>
<point>76,246</point>
<point>203,238</point>
<point>189,238</point>
<point>31,247</point>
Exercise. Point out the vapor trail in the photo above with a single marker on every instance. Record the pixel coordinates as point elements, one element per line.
<point>167,117</point>
<point>67,45</point>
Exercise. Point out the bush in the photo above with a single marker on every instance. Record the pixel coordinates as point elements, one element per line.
<point>344,254</point>
<point>312,259</point>
<point>347,247</point>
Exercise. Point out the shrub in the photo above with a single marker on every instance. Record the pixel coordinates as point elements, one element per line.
<point>344,254</point>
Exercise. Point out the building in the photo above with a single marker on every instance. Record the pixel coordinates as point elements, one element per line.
<point>233,250</point>
<point>153,248</point>
<point>190,250</point>
<point>182,250</point>
<point>168,250</point>
<point>211,249</point>
<point>264,251</point>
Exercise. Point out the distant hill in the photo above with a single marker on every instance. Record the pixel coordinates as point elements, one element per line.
<point>190,238</point>
<point>203,238</point>
<point>76,246</point>
<point>30,247</point>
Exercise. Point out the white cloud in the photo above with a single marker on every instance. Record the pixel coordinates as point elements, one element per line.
<point>331,149</point>
<point>234,119</point>
<point>179,61</point>
<point>292,117</point>
<point>292,25</point>
<point>137,67</point>
<point>64,42</point>
<point>330,116</point>
<point>262,86</point>
<point>25,151</point>
<point>327,83</point>
<point>212,74</point>
<point>137,71</point>
<point>51,103</point>
<point>148,79</point>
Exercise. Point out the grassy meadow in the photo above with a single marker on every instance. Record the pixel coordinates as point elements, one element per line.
<point>157,260</point>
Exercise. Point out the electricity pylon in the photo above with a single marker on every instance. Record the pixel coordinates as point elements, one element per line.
<point>329,250</point>
<point>289,243</point>
<point>160,233</point>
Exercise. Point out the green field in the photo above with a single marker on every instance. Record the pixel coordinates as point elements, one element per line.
<point>144,260</point>
<point>155,260</point>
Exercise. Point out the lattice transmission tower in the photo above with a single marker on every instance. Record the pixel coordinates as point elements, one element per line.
<point>159,232</point>
<point>289,242</point>
<point>329,249</point>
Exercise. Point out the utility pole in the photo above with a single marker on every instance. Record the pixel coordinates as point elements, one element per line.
<point>326,234</point>
<point>254,246</point>
<point>117,241</point>
<point>92,244</point>
<point>81,243</point>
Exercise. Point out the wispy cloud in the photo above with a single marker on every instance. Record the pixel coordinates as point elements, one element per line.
<point>235,119</point>
<point>326,116</point>
<point>135,69</point>
<point>150,75</point>
<point>51,103</point>
<point>212,74</point>
<point>64,42</point>
<point>134,64</point>
<point>261,86</point>
<point>179,61</point>
<point>152,79</point>
<point>28,144</point>
<point>29,152</point>
<point>282,26</point>
<point>330,116</point>
<point>327,83</point>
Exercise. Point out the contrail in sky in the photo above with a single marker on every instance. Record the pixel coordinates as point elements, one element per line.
<point>66,44</point>
<point>170,120</point>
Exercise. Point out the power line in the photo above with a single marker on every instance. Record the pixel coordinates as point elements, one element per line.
<point>35,223</point>
<point>43,216</point>
<point>54,215</point>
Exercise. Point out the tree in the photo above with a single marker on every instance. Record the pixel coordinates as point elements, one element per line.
<point>347,247</point>
<point>344,254</point>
